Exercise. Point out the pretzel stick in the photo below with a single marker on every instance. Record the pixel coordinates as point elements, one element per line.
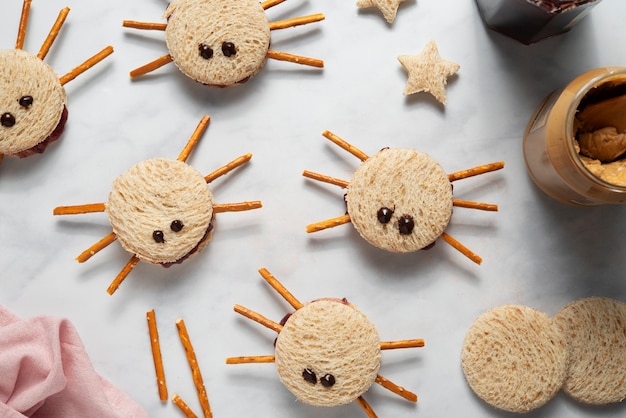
<point>182,405</point>
<point>144,25</point>
<point>115,284</point>
<point>151,66</point>
<point>475,205</point>
<point>250,359</point>
<point>346,146</point>
<point>366,407</point>
<point>79,209</point>
<point>257,317</point>
<point>392,345</point>
<point>329,223</point>
<point>195,369</point>
<point>1,157</point>
<point>21,31</point>
<point>481,169</point>
<point>282,290</point>
<point>270,3</point>
<point>228,167</point>
<point>398,390</point>
<point>97,247</point>
<point>90,62</point>
<point>460,247</point>
<point>296,21</point>
<point>236,207</point>
<point>53,33</point>
<point>297,59</point>
<point>325,179</point>
<point>195,137</point>
<point>156,354</point>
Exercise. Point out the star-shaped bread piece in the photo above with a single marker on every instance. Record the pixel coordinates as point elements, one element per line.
<point>388,8</point>
<point>428,72</point>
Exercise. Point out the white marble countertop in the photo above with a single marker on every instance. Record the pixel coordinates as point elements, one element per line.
<point>536,251</point>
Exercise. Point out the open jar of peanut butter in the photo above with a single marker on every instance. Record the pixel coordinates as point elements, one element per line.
<point>575,145</point>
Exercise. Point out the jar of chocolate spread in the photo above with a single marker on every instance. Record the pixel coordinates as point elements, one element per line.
<point>530,21</point>
<point>565,153</point>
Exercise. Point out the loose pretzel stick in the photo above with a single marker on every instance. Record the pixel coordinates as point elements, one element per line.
<point>195,137</point>
<point>182,405</point>
<point>151,66</point>
<point>156,354</point>
<point>282,290</point>
<point>257,317</point>
<point>236,207</point>
<point>228,167</point>
<point>345,145</point>
<point>115,284</point>
<point>460,247</point>
<point>325,179</point>
<point>97,247</point>
<point>366,407</point>
<point>195,369</point>
<point>392,345</point>
<point>398,390</point>
<point>53,33</point>
<point>21,31</point>
<point>475,205</point>
<point>329,223</point>
<point>250,359</point>
<point>481,169</point>
<point>90,62</point>
<point>270,3</point>
<point>79,209</point>
<point>144,25</point>
<point>297,59</point>
<point>296,21</point>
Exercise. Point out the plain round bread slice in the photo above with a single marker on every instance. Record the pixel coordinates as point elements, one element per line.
<point>595,331</point>
<point>514,358</point>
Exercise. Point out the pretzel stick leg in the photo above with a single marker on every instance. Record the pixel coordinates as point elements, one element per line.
<point>326,179</point>
<point>21,31</point>
<point>296,21</point>
<point>182,405</point>
<point>282,290</point>
<point>86,65</point>
<point>257,317</point>
<point>329,223</point>
<point>475,205</point>
<point>366,407</point>
<point>461,248</point>
<point>115,284</point>
<point>195,369</point>
<point>296,59</point>
<point>53,33</point>
<point>345,145</point>
<point>156,354</point>
<point>481,169</point>
<point>97,247</point>
<point>151,66</point>
<point>270,3</point>
<point>79,209</point>
<point>228,167</point>
<point>392,345</point>
<point>1,157</point>
<point>195,137</point>
<point>144,25</point>
<point>398,390</point>
<point>250,359</point>
<point>236,207</point>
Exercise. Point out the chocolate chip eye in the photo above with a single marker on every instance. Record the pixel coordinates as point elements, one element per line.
<point>309,376</point>
<point>26,101</point>
<point>328,380</point>
<point>228,49</point>
<point>406,224</point>
<point>7,119</point>
<point>205,51</point>
<point>384,215</point>
<point>176,225</point>
<point>158,236</point>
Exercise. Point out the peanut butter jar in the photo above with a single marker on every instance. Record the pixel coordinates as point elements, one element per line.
<point>550,147</point>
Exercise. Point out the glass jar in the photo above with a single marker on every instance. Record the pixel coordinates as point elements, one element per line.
<point>549,149</point>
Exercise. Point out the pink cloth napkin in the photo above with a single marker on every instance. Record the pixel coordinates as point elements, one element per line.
<point>46,373</point>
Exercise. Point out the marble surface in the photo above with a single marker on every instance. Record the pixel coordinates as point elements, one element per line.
<point>536,251</point>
